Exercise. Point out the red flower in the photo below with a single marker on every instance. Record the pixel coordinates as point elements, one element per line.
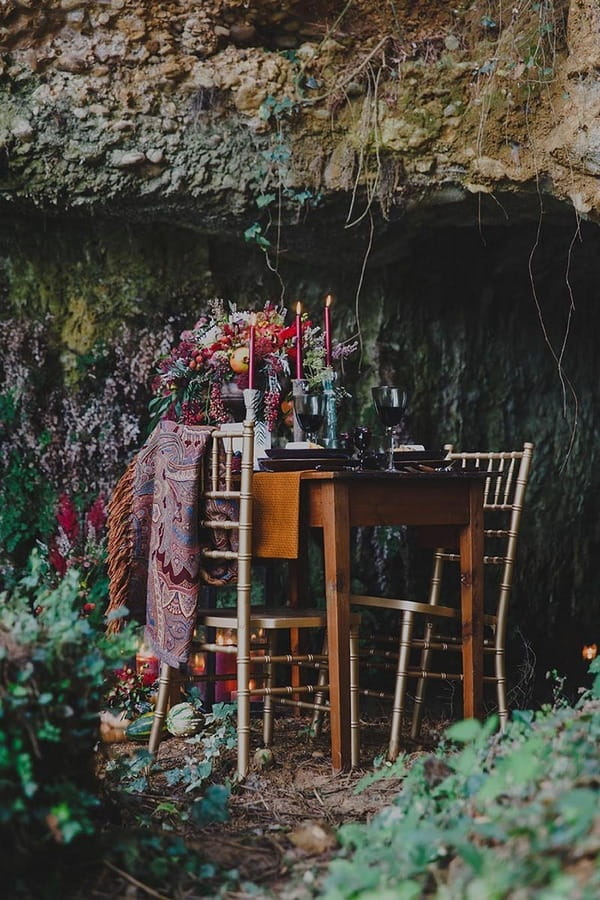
<point>66,517</point>
<point>96,515</point>
<point>57,560</point>
<point>286,334</point>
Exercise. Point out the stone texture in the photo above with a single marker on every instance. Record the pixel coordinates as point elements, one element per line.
<point>444,85</point>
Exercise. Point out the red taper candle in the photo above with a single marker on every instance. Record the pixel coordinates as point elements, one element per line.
<point>299,372</point>
<point>328,330</point>
<point>251,351</point>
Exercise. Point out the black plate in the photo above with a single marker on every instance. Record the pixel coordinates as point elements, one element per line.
<point>418,455</point>
<point>299,465</point>
<point>308,453</point>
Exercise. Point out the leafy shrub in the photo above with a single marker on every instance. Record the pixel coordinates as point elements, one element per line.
<point>504,816</point>
<point>53,666</point>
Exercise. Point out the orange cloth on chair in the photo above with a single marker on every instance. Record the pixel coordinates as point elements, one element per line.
<point>276,514</point>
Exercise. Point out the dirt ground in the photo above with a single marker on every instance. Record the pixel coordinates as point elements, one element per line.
<point>283,818</point>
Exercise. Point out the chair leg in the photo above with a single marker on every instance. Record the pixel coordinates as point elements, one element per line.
<point>160,710</point>
<point>322,678</point>
<point>417,717</point>
<point>354,698</point>
<point>435,588</point>
<point>400,689</point>
<point>268,700</point>
<point>500,667</point>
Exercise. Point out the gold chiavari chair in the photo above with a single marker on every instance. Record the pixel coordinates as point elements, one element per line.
<point>223,483</point>
<point>419,652</point>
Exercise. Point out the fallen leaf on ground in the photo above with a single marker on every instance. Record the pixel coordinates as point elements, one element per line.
<point>313,838</point>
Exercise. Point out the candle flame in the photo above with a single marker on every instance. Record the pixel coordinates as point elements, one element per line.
<point>298,308</point>
<point>252,319</point>
<point>328,300</point>
<point>590,651</point>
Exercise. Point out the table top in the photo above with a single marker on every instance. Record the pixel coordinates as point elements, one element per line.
<point>381,474</point>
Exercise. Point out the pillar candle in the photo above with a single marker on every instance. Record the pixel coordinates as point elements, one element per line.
<point>299,373</point>
<point>251,352</point>
<point>328,330</point>
<point>147,665</point>
<point>225,664</point>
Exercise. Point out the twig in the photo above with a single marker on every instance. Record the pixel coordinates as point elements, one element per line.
<point>140,884</point>
<point>352,74</point>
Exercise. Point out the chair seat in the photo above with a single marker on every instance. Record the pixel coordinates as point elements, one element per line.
<point>446,612</point>
<point>271,619</point>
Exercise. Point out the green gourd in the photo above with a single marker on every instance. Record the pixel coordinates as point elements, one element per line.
<point>184,719</point>
<point>140,728</point>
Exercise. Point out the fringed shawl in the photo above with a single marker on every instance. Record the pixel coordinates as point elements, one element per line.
<point>154,541</point>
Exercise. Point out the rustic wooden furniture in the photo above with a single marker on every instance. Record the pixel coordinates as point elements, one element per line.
<point>504,477</point>
<point>507,474</point>
<point>336,502</point>
<point>222,483</point>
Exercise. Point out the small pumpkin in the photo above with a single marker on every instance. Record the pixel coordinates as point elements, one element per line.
<point>184,720</point>
<point>112,727</point>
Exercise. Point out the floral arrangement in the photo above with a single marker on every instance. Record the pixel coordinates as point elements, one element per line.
<point>130,692</point>
<point>192,381</point>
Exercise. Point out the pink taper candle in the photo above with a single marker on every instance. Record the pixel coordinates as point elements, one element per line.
<point>299,372</point>
<point>328,330</point>
<point>251,352</point>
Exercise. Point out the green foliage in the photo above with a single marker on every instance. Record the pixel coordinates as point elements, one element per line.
<point>218,734</point>
<point>254,234</point>
<point>27,503</point>
<point>511,813</point>
<point>272,108</point>
<point>168,861</point>
<point>53,665</point>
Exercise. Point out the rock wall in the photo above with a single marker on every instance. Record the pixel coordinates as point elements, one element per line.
<point>174,106</point>
<point>434,165</point>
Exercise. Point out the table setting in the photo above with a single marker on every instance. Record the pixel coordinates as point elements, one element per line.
<point>351,450</point>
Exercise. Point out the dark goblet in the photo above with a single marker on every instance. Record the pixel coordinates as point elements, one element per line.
<point>362,440</point>
<point>390,404</point>
<point>309,410</point>
<point>347,441</point>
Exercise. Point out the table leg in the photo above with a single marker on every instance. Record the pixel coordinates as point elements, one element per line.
<point>336,545</point>
<point>471,592</point>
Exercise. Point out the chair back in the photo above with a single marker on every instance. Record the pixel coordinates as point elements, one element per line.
<point>230,481</point>
<point>504,491</point>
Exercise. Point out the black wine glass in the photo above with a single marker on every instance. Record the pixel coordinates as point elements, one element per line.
<point>390,404</point>
<point>310,412</point>
<point>362,439</point>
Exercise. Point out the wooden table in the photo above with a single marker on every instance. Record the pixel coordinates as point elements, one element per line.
<point>338,501</point>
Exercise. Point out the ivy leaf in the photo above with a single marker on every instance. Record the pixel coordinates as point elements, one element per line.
<point>265,200</point>
<point>213,807</point>
<point>465,732</point>
<point>254,235</point>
